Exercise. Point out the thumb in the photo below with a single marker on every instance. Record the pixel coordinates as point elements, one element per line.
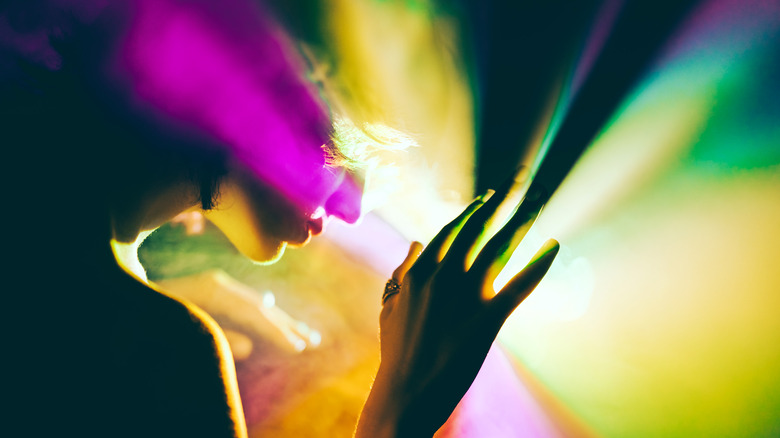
<point>415,249</point>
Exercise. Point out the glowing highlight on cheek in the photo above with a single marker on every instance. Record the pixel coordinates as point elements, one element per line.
<point>241,86</point>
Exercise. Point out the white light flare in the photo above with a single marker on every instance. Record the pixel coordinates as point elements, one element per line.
<point>564,293</point>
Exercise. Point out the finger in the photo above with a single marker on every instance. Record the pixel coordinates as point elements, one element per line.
<point>496,253</point>
<point>475,226</point>
<point>393,286</point>
<point>438,247</point>
<point>415,249</point>
<point>522,284</point>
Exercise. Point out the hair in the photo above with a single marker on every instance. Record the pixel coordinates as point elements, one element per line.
<point>73,131</point>
<point>208,174</point>
<point>58,81</point>
<point>356,147</point>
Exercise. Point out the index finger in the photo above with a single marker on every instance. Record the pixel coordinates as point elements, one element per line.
<point>415,248</point>
<point>469,235</point>
<point>495,254</point>
<point>436,249</point>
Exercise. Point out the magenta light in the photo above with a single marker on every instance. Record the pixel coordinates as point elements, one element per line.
<point>226,70</point>
<point>498,405</point>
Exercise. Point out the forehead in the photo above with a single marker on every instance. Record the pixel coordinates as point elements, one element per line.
<point>227,70</point>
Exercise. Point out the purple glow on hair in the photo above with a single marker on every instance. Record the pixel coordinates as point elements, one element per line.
<point>228,71</point>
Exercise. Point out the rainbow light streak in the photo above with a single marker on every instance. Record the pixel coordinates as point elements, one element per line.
<point>602,26</point>
<point>600,30</point>
<point>659,317</point>
<point>229,72</point>
<point>674,208</point>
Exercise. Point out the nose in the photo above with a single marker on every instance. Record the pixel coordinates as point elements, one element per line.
<point>345,202</point>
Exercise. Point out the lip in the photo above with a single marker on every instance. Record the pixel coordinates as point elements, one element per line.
<point>312,227</point>
<point>315,226</point>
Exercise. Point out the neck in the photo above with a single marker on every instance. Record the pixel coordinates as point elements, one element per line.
<point>126,254</point>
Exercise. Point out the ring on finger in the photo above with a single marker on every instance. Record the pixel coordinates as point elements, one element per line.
<point>391,288</point>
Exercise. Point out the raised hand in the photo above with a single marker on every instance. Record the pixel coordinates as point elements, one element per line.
<point>440,316</point>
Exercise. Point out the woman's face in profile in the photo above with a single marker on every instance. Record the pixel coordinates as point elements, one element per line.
<point>259,220</point>
<point>227,72</point>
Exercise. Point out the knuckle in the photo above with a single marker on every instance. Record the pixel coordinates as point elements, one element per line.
<point>421,268</point>
<point>453,262</point>
<point>412,272</point>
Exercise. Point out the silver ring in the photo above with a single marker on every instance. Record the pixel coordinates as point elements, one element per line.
<point>391,288</point>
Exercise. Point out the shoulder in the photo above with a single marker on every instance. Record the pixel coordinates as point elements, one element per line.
<point>172,357</point>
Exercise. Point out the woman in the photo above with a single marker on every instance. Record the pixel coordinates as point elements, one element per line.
<point>121,117</point>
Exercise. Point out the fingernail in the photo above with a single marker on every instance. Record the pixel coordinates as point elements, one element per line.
<point>415,248</point>
<point>485,196</point>
<point>548,250</point>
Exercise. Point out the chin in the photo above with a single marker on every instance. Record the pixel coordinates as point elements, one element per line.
<point>266,255</point>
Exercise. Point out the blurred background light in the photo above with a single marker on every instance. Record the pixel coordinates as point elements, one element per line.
<point>659,317</point>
